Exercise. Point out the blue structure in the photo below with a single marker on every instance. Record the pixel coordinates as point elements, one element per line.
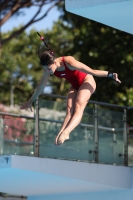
<point>43,178</point>
<point>114,13</point>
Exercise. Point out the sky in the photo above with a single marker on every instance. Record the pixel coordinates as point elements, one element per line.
<point>45,23</point>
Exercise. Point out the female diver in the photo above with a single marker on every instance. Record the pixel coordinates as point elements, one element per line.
<point>82,86</point>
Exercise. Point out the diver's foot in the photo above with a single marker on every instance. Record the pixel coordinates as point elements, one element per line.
<point>63,136</point>
<point>56,139</point>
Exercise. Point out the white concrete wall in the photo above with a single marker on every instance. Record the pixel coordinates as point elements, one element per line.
<point>118,195</point>
<point>125,194</point>
<point>60,179</point>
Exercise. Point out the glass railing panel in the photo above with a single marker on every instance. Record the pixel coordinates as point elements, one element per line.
<point>111,137</point>
<point>1,135</point>
<point>18,136</point>
<point>81,138</point>
<point>130,146</point>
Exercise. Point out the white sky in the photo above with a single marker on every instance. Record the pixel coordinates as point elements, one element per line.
<point>43,24</point>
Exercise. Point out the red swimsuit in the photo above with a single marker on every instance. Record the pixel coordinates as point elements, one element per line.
<point>74,77</point>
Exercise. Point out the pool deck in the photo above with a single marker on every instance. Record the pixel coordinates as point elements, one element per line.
<point>33,176</point>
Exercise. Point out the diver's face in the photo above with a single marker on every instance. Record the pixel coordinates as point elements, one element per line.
<point>50,68</point>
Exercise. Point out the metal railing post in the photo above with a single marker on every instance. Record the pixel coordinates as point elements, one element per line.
<point>1,135</point>
<point>125,138</point>
<point>125,152</point>
<point>36,135</point>
<point>96,133</point>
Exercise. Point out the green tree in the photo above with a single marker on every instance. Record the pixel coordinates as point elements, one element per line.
<point>18,67</point>
<point>15,8</point>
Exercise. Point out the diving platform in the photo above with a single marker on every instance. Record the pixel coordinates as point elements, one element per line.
<point>117,14</point>
<point>33,177</point>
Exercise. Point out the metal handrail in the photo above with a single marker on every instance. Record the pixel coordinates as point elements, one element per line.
<point>90,101</point>
<point>16,115</point>
<point>18,142</point>
<point>60,121</point>
<point>83,125</point>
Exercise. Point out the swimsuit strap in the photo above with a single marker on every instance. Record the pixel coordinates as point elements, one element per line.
<point>64,61</point>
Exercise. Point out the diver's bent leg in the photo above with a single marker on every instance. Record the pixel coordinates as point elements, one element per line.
<point>84,93</point>
<point>69,110</point>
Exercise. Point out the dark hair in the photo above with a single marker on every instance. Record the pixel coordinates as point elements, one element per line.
<point>46,58</point>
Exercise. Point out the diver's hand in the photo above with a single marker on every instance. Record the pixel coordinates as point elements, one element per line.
<point>26,105</point>
<point>115,77</point>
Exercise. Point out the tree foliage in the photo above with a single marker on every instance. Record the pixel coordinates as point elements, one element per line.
<point>13,8</point>
<point>18,67</point>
